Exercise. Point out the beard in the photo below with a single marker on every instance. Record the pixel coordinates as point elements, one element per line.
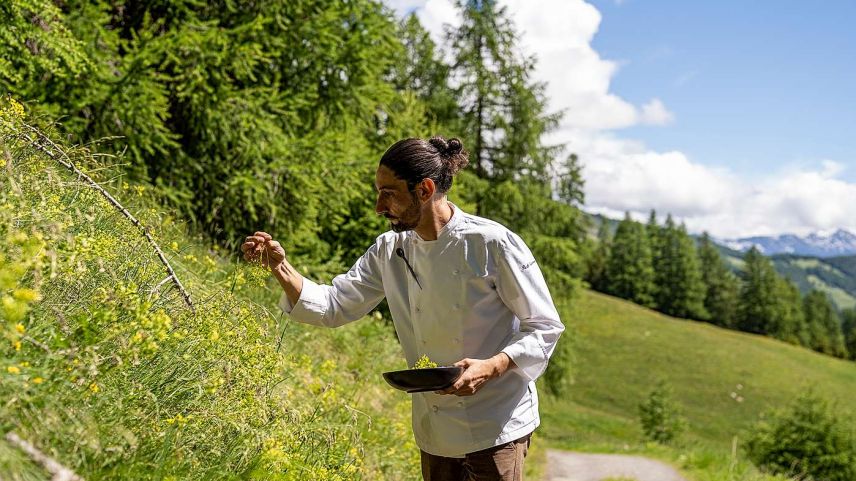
<point>409,219</point>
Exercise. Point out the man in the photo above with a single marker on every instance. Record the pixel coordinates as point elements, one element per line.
<point>462,290</point>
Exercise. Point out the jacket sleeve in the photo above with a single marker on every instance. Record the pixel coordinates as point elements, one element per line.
<point>522,288</point>
<point>351,296</point>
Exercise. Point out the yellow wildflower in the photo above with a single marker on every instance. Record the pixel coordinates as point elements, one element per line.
<point>13,370</point>
<point>37,380</point>
<point>94,388</point>
<point>20,328</point>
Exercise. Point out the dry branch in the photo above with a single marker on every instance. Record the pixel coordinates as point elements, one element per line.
<point>68,164</point>
<point>51,465</point>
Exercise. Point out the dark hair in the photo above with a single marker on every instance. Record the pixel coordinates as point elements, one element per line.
<point>413,160</point>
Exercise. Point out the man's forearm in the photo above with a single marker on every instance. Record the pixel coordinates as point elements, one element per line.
<point>501,363</point>
<point>290,280</point>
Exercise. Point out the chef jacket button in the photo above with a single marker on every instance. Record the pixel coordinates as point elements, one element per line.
<point>418,309</point>
<point>455,272</point>
<point>457,306</point>
<point>424,342</point>
<point>460,404</point>
<point>457,341</point>
<point>435,408</point>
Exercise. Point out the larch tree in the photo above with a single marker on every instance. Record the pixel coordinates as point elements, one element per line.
<point>630,273</point>
<point>503,110</point>
<point>722,287</point>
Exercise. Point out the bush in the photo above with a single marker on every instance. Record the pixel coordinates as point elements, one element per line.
<point>660,416</point>
<point>805,440</point>
<point>559,375</point>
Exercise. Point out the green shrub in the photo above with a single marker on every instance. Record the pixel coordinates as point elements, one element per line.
<point>660,415</point>
<point>559,375</point>
<point>805,440</point>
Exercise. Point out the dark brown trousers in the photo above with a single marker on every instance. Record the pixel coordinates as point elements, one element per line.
<point>499,463</point>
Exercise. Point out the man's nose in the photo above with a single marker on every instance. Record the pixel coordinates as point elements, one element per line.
<point>380,207</point>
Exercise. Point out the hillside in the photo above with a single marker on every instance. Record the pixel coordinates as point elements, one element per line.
<point>835,276</point>
<point>106,367</point>
<point>724,379</point>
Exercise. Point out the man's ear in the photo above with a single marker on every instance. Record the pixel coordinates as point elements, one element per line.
<point>426,188</point>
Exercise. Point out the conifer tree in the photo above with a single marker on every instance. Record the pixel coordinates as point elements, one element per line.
<point>504,112</point>
<point>722,286</point>
<point>790,317</point>
<point>758,305</point>
<point>630,274</point>
<point>596,265</point>
<point>421,70</point>
<point>848,327</point>
<point>678,279</point>
<point>824,324</point>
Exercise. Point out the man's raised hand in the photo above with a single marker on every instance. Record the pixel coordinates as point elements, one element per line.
<point>260,247</point>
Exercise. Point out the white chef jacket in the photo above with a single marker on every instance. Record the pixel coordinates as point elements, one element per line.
<point>481,293</point>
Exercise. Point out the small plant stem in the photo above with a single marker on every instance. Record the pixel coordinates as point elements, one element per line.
<point>68,164</point>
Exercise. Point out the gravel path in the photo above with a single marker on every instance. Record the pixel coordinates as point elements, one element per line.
<point>571,466</point>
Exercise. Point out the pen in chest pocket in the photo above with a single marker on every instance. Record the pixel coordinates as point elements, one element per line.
<point>400,253</point>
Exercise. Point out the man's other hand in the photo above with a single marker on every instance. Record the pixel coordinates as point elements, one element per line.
<point>261,247</point>
<point>476,373</point>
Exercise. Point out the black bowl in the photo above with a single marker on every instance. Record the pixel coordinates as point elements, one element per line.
<point>423,380</point>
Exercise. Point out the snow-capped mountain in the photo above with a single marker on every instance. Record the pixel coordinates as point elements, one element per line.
<point>839,243</point>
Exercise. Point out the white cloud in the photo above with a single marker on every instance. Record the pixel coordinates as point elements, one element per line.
<point>624,175</point>
<point>655,113</point>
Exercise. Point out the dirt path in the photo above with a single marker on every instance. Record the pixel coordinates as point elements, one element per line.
<point>571,466</point>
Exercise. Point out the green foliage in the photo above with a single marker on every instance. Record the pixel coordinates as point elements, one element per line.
<point>848,328</point>
<point>679,290</point>
<point>35,45</point>
<point>597,260</point>
<point>660,416</point>
<point>722,286</point>
<point>421,70</point>
<point>559,376</point>
<point>758,302</point>
<point>824,326</point>
<point>630,272</point>
<point>806,440</point>
<point>503,111</point>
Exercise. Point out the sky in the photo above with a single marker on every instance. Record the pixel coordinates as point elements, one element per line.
<point>738,118</point>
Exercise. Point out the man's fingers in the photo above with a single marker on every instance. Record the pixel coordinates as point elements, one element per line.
<point>264,235</point>
<point>274,244</point>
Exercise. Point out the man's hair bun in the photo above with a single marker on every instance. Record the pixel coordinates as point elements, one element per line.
<point>452,152</point>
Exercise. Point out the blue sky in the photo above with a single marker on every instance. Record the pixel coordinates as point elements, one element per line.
<point>736,117</point>
<point>752,85</point>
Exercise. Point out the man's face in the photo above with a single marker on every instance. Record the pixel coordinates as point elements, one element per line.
<point>395,202</point>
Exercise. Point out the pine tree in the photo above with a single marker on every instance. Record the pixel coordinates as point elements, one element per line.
<point>504,115</point>
<point>679,286</point>
<point>848,327</point>
<point>722,286</point>
<point>596,265</point>
<point>421,70</point>
<point>757,309</point>
<point>629,271</point>
<point>790,315</point>
<point>824,325</point>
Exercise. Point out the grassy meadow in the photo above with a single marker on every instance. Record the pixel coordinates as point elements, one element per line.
<point>722,379</point>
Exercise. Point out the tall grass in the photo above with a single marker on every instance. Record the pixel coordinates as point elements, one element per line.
<point>104,368</point>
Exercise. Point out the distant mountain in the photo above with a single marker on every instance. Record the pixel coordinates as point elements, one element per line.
<point>839,243</point>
